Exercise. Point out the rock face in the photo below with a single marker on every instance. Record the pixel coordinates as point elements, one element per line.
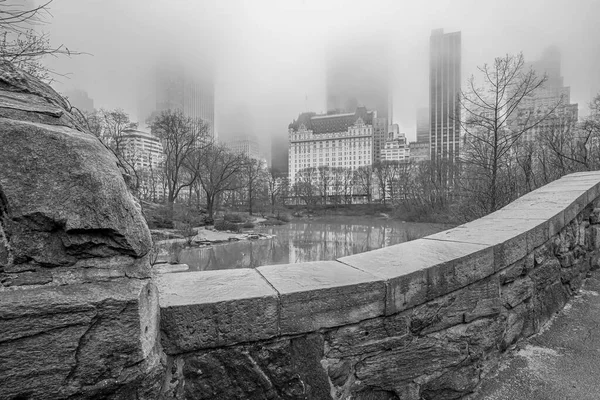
<point>78,312</point>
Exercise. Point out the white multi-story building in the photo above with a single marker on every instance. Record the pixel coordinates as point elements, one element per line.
<point>395,147</point>
<point>142,148</point>
<point>336,141</point>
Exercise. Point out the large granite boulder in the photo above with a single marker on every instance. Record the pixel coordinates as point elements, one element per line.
<point>78,311</point>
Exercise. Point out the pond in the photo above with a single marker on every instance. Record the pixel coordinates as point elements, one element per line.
<point>311,240</point>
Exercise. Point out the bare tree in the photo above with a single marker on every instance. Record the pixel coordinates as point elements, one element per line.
<point>364,182</point>
<point>494,117</point>
<point>277,187</point>
<point>182,139</point>
<point>304,186</point>
<point>23,46</point>
<point>574,147</point>
<point>253,172</point>
<point>217,170</point>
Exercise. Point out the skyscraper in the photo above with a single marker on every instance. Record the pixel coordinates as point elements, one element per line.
<point>175,87</point>
<point>423,125</point>
<point>444,89</point>
<point>553,95</point>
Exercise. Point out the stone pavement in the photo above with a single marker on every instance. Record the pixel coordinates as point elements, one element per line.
<point>562,362</point>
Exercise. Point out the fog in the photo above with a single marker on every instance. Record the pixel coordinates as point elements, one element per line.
<point>269,56</point>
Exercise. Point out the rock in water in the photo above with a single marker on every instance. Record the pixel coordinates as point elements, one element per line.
<point>78,312</point>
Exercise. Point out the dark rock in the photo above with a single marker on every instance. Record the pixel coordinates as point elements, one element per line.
<point>285,369</point>
<point>68,223</point>
<point>63,196</point>
<point>595,216</point>
<point>517,291</point>
<point>452,385</point>
<point>57,342</point>
<point>375,394</point>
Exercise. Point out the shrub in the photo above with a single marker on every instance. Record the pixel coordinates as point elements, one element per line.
<point>222,225</point>
<point>237,218</point>
<point>272,221</point>
<point>283,217</point>
<point>248,225</point>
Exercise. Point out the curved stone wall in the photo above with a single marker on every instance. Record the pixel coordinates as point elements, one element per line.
<point>422,319</point>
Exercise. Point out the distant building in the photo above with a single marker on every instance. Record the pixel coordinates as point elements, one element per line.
<point>80,99</point>
<point>423,125</point>
<point>143,148</point>
<point>336,140</point>
<point>380,135</point>
<point>145,152</point>
<point>552,96</point>
<point>395,147</point>
<point>173,87</point>
<point>246,145</point>
<point>444,89</point>
<point>419,151</point>
<point>279,155</point>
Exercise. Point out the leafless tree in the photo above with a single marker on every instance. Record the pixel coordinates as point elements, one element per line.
<point>277,187</point>
<point>217,170</point>
<point>304,186</point>
<point>494,116</point>
<point>253,173</point>
<point>364,181</point>
<point>183,138</point>
<point>23,46</point>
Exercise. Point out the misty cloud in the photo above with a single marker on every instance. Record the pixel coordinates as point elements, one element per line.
<point>269,56</point>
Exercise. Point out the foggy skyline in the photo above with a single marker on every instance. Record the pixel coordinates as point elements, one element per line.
<point>269,56</point>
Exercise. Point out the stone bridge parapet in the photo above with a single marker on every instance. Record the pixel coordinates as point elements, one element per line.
<point>420,320</point>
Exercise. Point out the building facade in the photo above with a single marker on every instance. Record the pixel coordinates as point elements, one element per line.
<point>336,141</point>
<point>444,89</point>
<point>423,125</point>
<point>419,151</point>
<point>175,88</point>
<point>246,145</point>
<point>395,147</point>
<point>144,149</point>
<point>553,98</point>
<point>145,152</point>
<point>280,155</point>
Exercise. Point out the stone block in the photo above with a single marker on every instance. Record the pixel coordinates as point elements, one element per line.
<point>371,336</point>
<point>207,309</point>
<point>92,339</point>
<point>546,274</point>
<point>481,299</point>
<point>419,358</point>
<point>324,294</point>
<point>424,268</point>
<point>517,291</point>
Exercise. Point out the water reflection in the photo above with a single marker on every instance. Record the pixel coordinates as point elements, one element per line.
<point>307,241</point>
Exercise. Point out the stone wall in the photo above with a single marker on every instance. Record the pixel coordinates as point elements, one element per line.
<point>419,320</point>
<point>78,309</point>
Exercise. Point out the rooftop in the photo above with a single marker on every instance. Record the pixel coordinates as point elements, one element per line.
<point>332,123</point>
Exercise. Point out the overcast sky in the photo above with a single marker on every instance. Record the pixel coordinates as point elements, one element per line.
<point>269,54</point>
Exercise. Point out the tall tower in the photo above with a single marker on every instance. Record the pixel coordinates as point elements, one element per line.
<point>172,86</point>
<point>444,89</point>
